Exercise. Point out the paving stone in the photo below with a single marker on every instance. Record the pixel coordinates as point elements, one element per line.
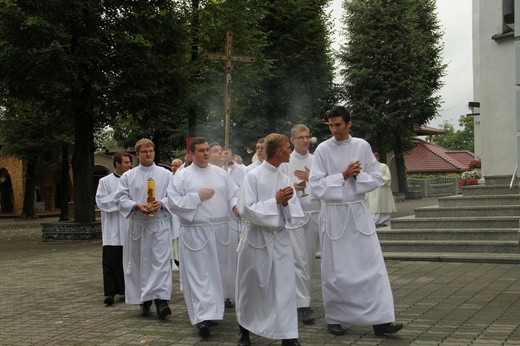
<point>52,295</point>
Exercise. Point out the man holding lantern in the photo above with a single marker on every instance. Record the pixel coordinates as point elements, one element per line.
<point>141,198</point>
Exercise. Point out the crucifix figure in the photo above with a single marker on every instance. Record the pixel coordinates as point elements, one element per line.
<point>228,58</point>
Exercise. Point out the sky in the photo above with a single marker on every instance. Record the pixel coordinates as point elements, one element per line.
<point>455,20</point>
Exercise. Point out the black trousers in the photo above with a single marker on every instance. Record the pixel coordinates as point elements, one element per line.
<point>113,277</point>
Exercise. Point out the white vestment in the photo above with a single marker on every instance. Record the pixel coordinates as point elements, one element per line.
<point>113,223</point>
<point>236,172</point>
<point>265,293</point>
<point>176,225</point>
<point>381,200</point>
<point>204,237</point>
<point>253,165</point>
<point>305,241</point>
<point>147,249</point>
<point>355,284</point>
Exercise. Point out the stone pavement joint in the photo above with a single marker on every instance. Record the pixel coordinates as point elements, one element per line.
<point>52,294</point>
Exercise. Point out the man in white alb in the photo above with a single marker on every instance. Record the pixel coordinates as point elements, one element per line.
<point>355,284</point>
<point>381,200</point>
<point>227,249</point>
<point>265,292</point>
<point>306,240</point>
<point>202,195</point>
<point>148,244</point>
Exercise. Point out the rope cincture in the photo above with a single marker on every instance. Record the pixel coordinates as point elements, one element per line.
<point>210,224</point>
<point>245,229</point>
<point>144,226</point>
<point>349,208</point>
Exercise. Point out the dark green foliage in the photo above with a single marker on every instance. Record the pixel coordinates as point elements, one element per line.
<point>83,64</point>
<point>392,71</point>
<point>299,88</point>
<point>291,81</point>
<point>149,74</point>
<point>69,68</point>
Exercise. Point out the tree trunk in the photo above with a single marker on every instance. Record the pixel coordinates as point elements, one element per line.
<point>400,165</point>
<point>195,24</point>
<point>83,160</point>
<point>28,198</point>
<point>64,185</point>
<point>271,120</point>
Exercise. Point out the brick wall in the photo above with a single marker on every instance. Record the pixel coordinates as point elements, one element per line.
<point>15,169</point>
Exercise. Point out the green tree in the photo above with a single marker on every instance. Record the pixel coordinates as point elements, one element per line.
<point>88,63</point>
<point>291,80</point>
<point>458,139</point>
<point>150,71</point>
<point>209,77</point>
<point>33,127</point>
<point>22,124</point>
<point>299,87</point>
<point>392,68</point>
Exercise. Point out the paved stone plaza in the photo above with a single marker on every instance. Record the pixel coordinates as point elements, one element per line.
<point>52,294</point>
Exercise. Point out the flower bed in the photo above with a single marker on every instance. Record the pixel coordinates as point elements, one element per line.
<point>472,176</point>
<point>468,181</point>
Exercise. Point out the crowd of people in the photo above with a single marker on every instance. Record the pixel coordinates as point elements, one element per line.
<point>246,237</point>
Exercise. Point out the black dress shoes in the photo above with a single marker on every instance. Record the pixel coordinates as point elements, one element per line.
<point>243,337</point>
<point>203,328</point>
<point>109,300</point>
<point>228,304</point>
<point>290,342</point>
<point>306,314</point>
<point>336,329</point>
<point>163,309</point>
<point>387,328</point>
<point>145,308</point>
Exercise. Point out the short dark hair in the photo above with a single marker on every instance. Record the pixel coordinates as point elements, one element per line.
<point>339,111</point>
<point>118,158</point>
<point>196,140</point>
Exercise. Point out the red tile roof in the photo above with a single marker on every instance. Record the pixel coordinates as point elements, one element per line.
<point>427,157</point>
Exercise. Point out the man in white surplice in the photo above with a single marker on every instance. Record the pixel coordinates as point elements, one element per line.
<point>113,226</point>
<point>227,250</point>
<point>236,172</point>
<point>305,241</point>
<point>147,248</point>
<point>355,284</point>
<point>265,292</point>
<point>202,195</point>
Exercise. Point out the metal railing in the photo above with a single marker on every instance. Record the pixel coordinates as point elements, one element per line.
<point>513,178</point>
<point>440,186</point>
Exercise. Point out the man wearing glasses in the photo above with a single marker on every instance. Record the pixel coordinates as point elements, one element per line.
<point>304,238</point>
<point>147,248</point>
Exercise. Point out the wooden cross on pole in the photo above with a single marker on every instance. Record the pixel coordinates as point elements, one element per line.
<point>228,58</point>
